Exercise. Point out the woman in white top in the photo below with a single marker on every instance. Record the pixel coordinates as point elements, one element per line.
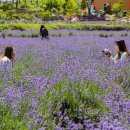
<point>7,59</point>
<point>122,52</point>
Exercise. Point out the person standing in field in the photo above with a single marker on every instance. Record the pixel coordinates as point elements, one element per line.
<point>3,34</point>
<point>44,32</point>
<point>7,59</point>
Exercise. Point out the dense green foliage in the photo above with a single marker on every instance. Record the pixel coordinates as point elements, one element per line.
<point>57,7</point>
<point>118,7</point>
<point>53,26</point>
<point>47,9</point>
<point>39,4</point>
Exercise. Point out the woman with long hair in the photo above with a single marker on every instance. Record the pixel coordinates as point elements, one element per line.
<point>122,52</point>
<point>7,59</point>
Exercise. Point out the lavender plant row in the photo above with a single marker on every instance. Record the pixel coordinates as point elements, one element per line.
<point>60,33</point>
<point>65,83</point>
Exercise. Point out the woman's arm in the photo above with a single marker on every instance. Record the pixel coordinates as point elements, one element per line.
<point>1,57</point>
<point>128,52</point>
<point>115,58</point>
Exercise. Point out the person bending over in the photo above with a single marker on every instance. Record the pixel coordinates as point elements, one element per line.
<point>44,32</point>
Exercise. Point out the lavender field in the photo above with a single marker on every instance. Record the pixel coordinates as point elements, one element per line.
<point>65,83</point>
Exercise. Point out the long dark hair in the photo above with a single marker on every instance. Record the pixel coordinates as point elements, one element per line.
<point>122,47</point>
<point>9,52</point>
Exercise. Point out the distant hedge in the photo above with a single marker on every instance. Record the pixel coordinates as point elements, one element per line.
<point>56,26</point>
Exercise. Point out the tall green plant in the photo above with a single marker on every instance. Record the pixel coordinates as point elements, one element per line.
<point>71,9</point>
<point>118,7</point>
<point>50,4</point>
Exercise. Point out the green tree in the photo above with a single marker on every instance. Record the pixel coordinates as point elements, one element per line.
<point>118,7</point>
<point>7,6</point>
<point>71,9</point>
<point>50,4</point>
<point>47,16</point>
<point>122,4</point>
<point>2,14</point>
<point>83,4</point>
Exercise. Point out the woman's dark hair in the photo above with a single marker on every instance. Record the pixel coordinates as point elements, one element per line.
<point>42,26</point>
<point>122,47</point>
<point>8,52</point>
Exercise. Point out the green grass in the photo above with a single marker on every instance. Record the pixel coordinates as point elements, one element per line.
<point>59,25</point>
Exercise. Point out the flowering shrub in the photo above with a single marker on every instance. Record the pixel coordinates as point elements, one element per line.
<point>65,83</point>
